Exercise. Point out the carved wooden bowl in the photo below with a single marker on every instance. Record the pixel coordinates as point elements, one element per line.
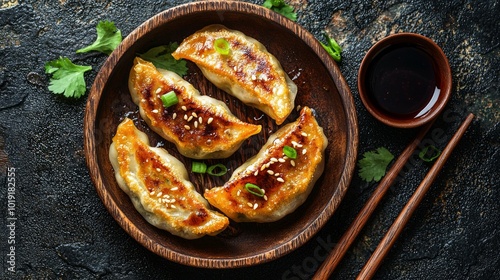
<point>321,87</point>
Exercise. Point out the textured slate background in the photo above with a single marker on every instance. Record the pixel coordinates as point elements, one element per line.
<point>63,230</point>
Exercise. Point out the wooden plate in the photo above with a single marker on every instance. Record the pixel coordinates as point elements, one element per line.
<point>321,87</point>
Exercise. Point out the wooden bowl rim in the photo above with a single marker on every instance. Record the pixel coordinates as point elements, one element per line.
<point>441,61</point>
<point>215,6</point>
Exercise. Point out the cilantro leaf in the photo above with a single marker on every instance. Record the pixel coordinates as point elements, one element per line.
<point>281,8</point>
<point>67,78</point>
<point>332,48</point>
<point>108,38</point>
<point>373,165</point>
<point>162,57</point>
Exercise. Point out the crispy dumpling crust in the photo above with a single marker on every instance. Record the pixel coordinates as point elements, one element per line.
<point>249,72</point>
<point>201,127</point>
<point>286,182</point>
<point>157,183</point>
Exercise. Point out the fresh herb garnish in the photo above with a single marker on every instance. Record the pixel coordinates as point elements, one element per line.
<point>332,48</point>
<point>281,8</point>
<point>221,167</point>
<point>254,189</point>
<point>169,99</point>
<point>162,57</point>
<point>67,78</point>
<point>198,167</point>
<point>429,156</point>
<point>108,38</point>
<point>290,152</point>
<point>373,165</point>
<point>221,45</point>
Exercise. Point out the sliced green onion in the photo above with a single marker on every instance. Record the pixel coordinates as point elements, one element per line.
<point>290,152</point>
<point>221,45</point>
<point>254,189</point>
<point>429,156</point>
<point>222,171</point>
<point>198,167</point>
<point>169,99</point>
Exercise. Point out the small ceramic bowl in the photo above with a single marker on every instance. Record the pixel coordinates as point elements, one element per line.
<point>404,80</point>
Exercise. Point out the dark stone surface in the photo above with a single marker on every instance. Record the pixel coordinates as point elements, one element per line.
<point>63,230</point>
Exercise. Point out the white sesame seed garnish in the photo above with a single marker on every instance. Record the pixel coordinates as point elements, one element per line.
<point>194,114</point>
<point>304,134</point>
<point>270,172</point>
<point>255,206</point>
<point>238,193</point>
<point>210,120</point>
<point>172,200</point>
<point>158,169</point>
<point>304,151</point>
<point>155,111</point>
<point>174,116</point>
<point>254,77</point>
<point>187,127</point>
<point>249,204</point>
<point>280,180</point>
<point>276,174</point>
<point>256,173</point>
<point>195,124</point>
<point>159,194</point>
<point>184,108</point>
<point>281,160</point>
<point>152,193</point>
<point>263,167</point>
<point>265,197</point>
<point>268,164</point>
<point>190,118</point>
<point>273,159</point>
<point>173,206</point>
<point>174,188</point>
<point>200,120</point>
<point>185,117</point>
<point>143,100</point>
<point>292,162</point>
<point>158,90</point>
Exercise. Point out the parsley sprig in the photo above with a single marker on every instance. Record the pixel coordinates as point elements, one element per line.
<point>282,8</point>
<point>332,48</point>
<point>108,38</point>
<point>67,78</point>
<point>373,165</point>
<point>161,57</point>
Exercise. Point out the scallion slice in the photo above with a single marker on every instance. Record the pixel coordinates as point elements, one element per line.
<point>198,167</point>
<point>169,99</point>
<point>290,152</point>
<point>429,156</point>
<point>221,45</point>
<point>222,169</point>
<point>254,189</point>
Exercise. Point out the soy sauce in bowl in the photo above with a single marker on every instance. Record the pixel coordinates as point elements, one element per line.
<point>404,80</point>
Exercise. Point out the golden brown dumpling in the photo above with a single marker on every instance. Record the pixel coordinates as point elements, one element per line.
<point>200,126</point>
<point>249,72</point>
<point>157,183</point>
<point>286,182</point>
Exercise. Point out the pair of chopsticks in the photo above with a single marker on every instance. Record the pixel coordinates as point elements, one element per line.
<point>368,271</point>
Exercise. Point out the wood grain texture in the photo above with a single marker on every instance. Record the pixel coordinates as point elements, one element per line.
<point>404,216</point>
<point>321,87</point>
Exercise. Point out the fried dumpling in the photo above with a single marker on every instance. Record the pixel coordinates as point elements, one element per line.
<point>248,72</point>
<point>271,184</point>
<point>200,126</point>
<point>157,183</point>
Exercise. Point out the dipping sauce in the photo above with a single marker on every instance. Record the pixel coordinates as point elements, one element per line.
<point>403,82</point>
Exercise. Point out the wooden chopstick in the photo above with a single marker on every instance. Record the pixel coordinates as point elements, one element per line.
<point>336,255</point>
<point>392,234</point>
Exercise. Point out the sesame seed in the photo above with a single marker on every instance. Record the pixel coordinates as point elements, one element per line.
<point>158,169</point>
<point>158,90</point>
<point>166,196</point>
<point>273,159</point>
<point>238,193</point>
<point>174,116</point>
<point>174,188</point>
<point>304,151</point>
<point>269,164</point>
<point>280,180</point>
<point>281,160</point>
<point>155,111</point>
<point>152,193</point>
<point>190,118</point>
<point>159,194</point>
<point>143,100</point>
<point>263,167</point>
<point>285,157</point>
<point>304,134</point>
<point>173,206</point>
<point>265,197</point>
<point>263,191</point>
<point>194,114</point>
<point>184,108</point>
<point>172,200</point>
<point>255,206</point>
<point>195,124</point>
<point>200,120</point>
<point>210,120</point>
<point>276,174</point>
<point>292,162</point>
<point>249,204</point>
<point>185,116</point>
<point>256,173</point>
<point>254,77</point>
<point>270,172</point>
<point>187,127</point>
